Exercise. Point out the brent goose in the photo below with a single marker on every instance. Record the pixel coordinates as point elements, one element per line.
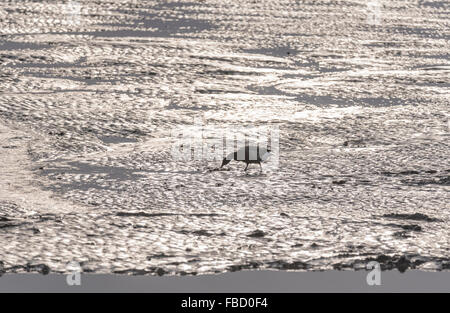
<point>248,154</point>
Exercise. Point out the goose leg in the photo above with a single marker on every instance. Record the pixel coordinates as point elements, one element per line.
<point>260,166</point>
<point>246,168</point>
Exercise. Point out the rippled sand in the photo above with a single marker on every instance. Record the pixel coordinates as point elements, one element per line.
<point>88,102</point>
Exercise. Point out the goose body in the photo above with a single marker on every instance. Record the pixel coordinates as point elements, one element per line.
<point>249,155</point>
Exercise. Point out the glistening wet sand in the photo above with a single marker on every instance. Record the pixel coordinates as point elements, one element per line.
<point>88,102</point>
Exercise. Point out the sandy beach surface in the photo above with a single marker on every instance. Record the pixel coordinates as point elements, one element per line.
<point>91,92</point>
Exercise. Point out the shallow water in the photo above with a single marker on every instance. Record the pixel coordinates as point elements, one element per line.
<point>89,99</point>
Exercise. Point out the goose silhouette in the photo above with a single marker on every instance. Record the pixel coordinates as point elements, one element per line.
<point>249,155</point>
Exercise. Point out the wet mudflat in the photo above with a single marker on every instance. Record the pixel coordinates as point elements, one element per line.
<point>89,98</point>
